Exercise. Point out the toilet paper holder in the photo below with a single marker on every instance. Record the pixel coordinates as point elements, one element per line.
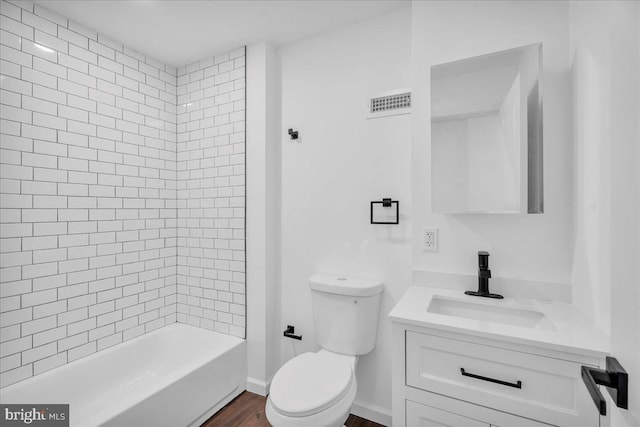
<point>289,333</point>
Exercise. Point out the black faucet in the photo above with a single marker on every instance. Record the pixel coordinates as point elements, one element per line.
<point>484,274</point>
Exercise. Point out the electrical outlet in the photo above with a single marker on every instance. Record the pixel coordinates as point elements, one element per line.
<point>429,239</point>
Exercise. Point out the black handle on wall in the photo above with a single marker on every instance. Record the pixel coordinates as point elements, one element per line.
<point>615,378</point>
<point>289,333</point>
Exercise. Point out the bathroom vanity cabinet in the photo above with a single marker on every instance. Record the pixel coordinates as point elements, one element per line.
<point>450,376</point>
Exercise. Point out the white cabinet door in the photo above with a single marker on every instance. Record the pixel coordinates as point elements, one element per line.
<point>419,415</point>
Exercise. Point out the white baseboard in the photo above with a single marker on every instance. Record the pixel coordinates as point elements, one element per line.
<point>258,386</point>
<point>371,412</point>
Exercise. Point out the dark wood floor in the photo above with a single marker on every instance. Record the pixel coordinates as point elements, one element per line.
<point>247,410</point>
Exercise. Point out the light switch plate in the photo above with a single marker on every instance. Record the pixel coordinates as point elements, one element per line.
<point>429,239</point>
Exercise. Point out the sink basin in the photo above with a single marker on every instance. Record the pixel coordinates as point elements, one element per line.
<point>514,316</point>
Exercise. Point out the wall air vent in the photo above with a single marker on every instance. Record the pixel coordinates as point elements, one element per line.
<point>390,104</point>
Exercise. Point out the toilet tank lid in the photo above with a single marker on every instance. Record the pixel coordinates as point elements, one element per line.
<point>343,285</point>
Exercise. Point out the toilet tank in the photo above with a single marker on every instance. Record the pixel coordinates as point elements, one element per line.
<point>345,312</point>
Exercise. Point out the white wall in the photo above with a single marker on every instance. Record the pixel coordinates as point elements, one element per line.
<point>590,50</point>
<point>263,216</point>
<point>88,192</point>
<point>605,46</point>
<point>531,247</point>
<point>341,162</point>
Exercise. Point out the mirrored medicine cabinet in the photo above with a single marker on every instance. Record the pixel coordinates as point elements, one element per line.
<point>486,133</point>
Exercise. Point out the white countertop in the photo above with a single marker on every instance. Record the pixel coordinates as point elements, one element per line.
<point>566,327</point>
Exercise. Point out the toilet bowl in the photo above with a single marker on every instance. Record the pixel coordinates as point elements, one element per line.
<point>314,390</point>
<point>318,389</point>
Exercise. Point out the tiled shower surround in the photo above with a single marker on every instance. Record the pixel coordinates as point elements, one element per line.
<point>211,196</point>
<point>122,181</point>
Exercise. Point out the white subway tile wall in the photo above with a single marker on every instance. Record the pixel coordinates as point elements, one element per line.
<point>114,219</point>
<point>211,193</point>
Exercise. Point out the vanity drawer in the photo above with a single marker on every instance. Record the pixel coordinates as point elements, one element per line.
<point>542,388</point>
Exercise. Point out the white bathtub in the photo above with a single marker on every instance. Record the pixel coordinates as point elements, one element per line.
<point>175,376</point>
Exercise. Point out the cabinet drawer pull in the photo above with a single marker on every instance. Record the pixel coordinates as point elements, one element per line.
<point>517,384</point>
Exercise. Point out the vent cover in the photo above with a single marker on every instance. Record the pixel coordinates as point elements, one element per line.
<point>390,103</point>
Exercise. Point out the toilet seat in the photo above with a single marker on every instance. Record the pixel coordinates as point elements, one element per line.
<point>310,383</point>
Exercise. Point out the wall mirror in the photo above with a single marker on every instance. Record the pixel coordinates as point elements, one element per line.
<point>486,133</point>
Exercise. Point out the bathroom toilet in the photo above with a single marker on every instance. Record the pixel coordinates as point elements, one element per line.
<point>318,389</point>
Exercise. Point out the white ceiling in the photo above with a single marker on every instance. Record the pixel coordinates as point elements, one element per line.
<point>178,32</point>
